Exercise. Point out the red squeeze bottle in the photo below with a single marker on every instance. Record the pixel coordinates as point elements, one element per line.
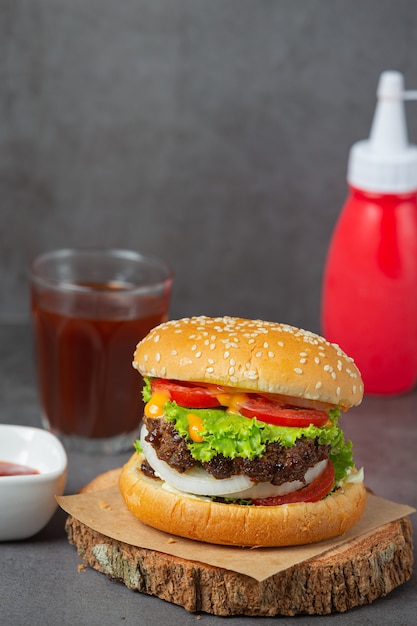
<point>369,297</point>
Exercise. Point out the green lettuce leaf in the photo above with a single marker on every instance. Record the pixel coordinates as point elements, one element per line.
<point>147,390</point>
<point>236,436</point>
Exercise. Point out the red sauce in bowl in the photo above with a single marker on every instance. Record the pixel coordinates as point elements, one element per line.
<point>15,469</point>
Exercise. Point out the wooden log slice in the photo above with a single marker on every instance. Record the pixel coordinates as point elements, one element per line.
<point>351,575</point>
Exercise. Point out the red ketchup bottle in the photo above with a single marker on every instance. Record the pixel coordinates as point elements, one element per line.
<point>369,297</point>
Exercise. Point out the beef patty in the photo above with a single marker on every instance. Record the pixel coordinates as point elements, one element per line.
<point>277,465</point>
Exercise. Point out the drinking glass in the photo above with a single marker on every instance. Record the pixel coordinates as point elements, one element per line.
<point>89,310</point>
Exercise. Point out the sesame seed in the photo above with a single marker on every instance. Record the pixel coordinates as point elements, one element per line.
<point>212,346</point>
<point>316,360</point>
<point>318,385</point>
<point>157,357</point>
<point>303,360</point>
<point>198,354</point>
<point>226,354</point>
<point>281,344</point>
<point>174,352</point>
<point>298,370</point>
<point>209,370</point>
<point>258,354</point>
<point>271,354</point>
<point>156,338</point>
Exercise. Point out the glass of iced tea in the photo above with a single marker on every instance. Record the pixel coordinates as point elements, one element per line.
<point>89,310</point>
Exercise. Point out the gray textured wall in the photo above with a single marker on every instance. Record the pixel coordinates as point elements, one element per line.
<point>214,133</point>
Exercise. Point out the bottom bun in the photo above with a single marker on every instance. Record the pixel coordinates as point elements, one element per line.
<point>234,524</point>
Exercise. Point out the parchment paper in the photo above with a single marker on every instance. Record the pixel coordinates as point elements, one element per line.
<point>105,512</point>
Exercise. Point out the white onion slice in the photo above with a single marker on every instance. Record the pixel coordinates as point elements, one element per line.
<point>355,477</point>
<point>199,482</point>
<point>267,490</point>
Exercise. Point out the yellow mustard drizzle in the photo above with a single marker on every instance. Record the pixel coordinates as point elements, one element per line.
<point>232,400</point>
<point>195,427</point>
<point>155,406</point>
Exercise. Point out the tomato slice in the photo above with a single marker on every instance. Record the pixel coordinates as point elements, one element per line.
<point>313,492</point>
<point>199,396</point>
<point>267,410</point>
<point>190,395</point>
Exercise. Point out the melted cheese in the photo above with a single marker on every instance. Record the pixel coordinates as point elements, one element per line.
<point>232,401</point>
<point>155,406</point>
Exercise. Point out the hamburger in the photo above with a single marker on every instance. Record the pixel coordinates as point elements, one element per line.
<point>240,442</point>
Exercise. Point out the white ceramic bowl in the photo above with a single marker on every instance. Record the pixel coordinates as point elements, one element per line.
<point>27,502</point>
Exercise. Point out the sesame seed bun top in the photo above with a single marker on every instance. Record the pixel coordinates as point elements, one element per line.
<point>254,355</point>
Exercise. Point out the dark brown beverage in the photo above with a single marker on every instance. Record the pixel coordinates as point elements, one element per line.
<point>88,386</point>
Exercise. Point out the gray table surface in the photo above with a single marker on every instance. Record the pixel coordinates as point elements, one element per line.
<point>39,578</point>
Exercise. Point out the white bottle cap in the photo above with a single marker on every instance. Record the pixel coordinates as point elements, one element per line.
<point>386,162</point>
